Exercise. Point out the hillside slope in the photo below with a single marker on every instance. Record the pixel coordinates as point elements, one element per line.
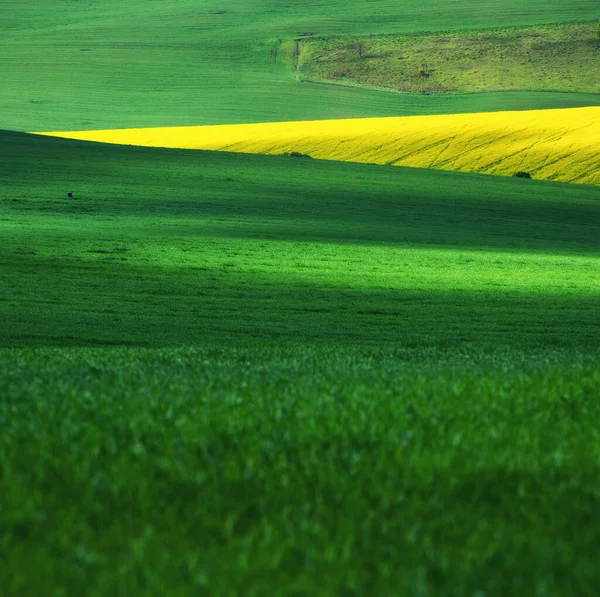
<point>163,247</point>
<point>112,64</point>
<point>549,144</point>
<point>213,364</point>
<point>559,57</point>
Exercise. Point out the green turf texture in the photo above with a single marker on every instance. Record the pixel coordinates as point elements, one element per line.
<point>299,471</point>
<point>80,65</point>
<point>244,375</point>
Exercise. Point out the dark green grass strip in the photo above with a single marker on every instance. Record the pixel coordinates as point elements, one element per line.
<point>337,470</point>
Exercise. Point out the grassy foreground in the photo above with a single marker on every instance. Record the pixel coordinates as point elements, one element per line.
<point>549,144</point>
<point>244,375</point>
<point>301,471</point>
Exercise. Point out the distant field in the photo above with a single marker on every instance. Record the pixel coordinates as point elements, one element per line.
<point>80,65</point>
<point>548,144</point>
<point>303,377</point>
<point>559,57</point>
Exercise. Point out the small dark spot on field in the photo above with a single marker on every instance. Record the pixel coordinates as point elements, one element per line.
<point>109,251</point>
<point>218,12</point>
<point>20,530</point>
<point>296,154</point>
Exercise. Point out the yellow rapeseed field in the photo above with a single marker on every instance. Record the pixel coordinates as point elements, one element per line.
<point>550,144</point>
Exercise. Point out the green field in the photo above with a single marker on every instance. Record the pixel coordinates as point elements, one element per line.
<point>304,470</point>
<point>304,377</point>
<point>557,58</point>
<point>70,65</point>
<point>301,248</point>
<point>244,375</point>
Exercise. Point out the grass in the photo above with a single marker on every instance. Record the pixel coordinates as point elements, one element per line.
<point>73,66</point>
<point>546,144</point>
<point>303,377</point>
<point>219,245</point>
<point>247,375</point>
<point>558,57</point>
<point>299,471</point>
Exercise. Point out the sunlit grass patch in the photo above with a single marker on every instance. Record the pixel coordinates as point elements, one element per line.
<point>161,247</point>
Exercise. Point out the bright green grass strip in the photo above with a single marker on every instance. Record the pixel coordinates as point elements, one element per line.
<point>299,470</point>
<point>74,65</point>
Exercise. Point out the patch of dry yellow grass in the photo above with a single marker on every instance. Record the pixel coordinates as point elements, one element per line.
<point>550,144</point>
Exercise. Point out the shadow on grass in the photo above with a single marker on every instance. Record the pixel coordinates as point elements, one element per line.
<point>219,194</point>
<point>124,304</point>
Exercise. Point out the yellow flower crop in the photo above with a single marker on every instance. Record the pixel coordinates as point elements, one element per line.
<point>549,144</point>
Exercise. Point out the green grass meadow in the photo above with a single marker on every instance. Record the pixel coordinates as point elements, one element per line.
<point>299,471</point>
<point>169,247</point>
<point>229,374</point>
<point>243,375</point>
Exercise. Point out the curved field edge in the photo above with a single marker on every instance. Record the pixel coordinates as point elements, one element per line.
<point>559,145</point>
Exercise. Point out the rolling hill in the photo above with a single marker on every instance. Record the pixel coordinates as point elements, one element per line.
<point>76,65</point>
<point>297,374</point>
<point>548,144</point>
<point>244,375</point>
<point>177,247</point>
